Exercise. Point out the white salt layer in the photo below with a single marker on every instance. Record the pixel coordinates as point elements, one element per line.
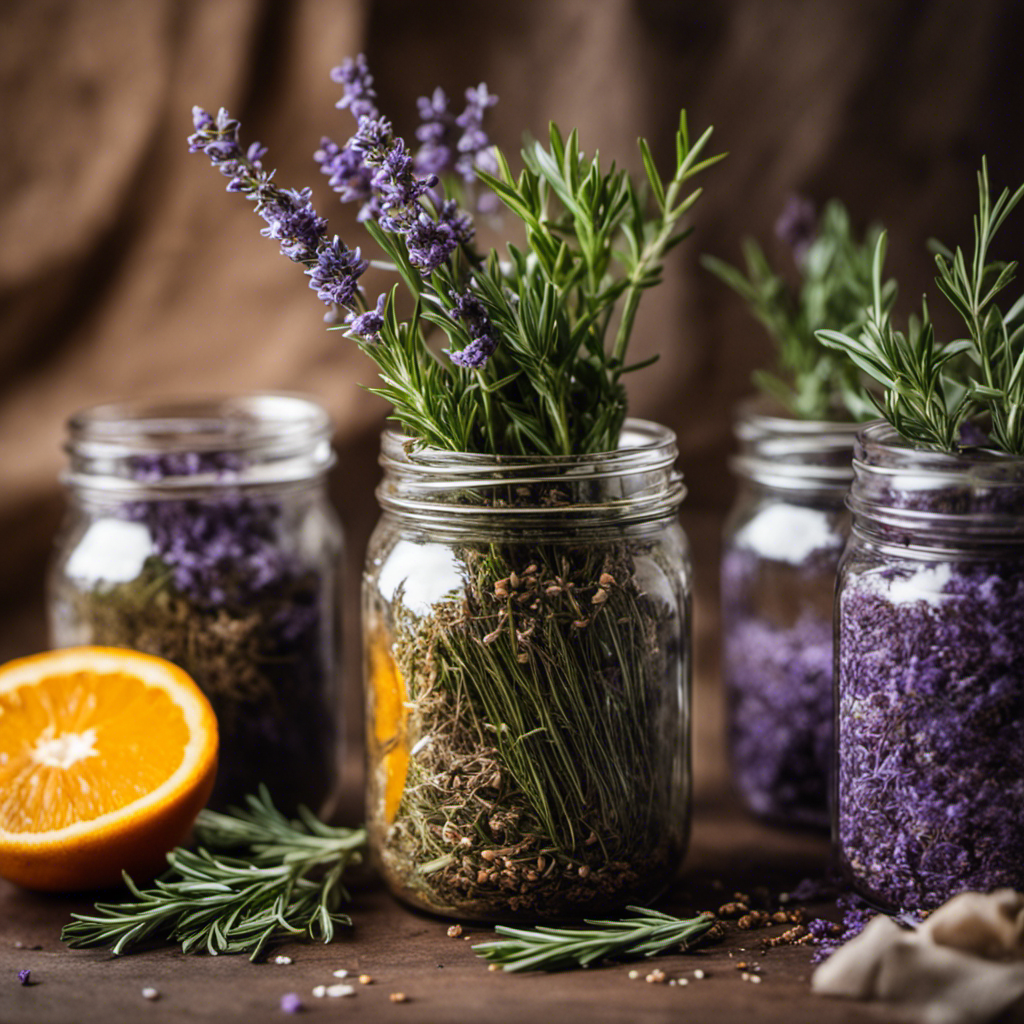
<point>787,533</point>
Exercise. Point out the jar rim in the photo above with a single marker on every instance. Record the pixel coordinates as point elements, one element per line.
<point>763,411</point>
<point>637,481</point>
<point>787,453</point>
<point>881,448</point>
<point>278,437</point>
<point>974,497</point>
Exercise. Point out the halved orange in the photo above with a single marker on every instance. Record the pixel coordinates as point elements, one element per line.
<point>106,758</point>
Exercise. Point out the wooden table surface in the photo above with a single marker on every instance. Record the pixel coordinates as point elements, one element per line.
<point>444,981</point>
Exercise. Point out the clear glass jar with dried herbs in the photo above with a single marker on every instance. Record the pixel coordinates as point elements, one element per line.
<point>200,531</point>
<point>527,637</point>
<point>781,548</point>
<point>930,674</point>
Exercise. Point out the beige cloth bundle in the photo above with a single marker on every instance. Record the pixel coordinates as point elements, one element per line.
<point>963,965</point>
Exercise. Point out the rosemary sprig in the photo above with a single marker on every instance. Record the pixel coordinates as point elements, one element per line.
<point>283,880</point>
<point>557,949</point>
<point>928,391</point>
<point>563,308</point>
<point>835,286</point>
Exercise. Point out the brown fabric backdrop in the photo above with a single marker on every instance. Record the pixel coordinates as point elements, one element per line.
<point>126,271</point>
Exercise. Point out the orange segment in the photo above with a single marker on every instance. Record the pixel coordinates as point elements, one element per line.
<point>106,757</point>
<point>390,724</point>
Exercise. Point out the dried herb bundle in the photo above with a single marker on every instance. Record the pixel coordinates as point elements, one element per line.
<point>541,782</point>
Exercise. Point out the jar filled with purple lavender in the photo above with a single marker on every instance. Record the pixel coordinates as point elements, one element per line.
<point>930,674</point>
<point>782,544</point>
<point>200,531</point>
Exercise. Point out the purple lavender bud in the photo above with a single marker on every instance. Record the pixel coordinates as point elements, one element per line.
<point>336,273</point>
<point>368,325</point>
<point>201,119</point>
<point>291,1002</point>
<point>373,138</point>
<point>359,96</point>
<point>395,182</point>
<point>475,355</point>
<point>797,226</point>
<point>24,976</point>
<point>430,243</point>
<point>293,222</point>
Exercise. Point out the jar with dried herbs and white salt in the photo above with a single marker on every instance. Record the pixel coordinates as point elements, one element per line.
<point>930,674</point>
<point>781,548</point>
<point>527,638</point>
<point>200,531</point>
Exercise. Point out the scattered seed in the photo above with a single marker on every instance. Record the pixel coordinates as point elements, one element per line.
<point>607,580</point>
<point>673,983</point>
<point>150,993</point>
<point>291,1003</point>
<point>600,597</point>
<point>742,965</point>
<point>365,979</point>
<point>494,967</point>
<point>513,580</point>
<point>319,992</point>
<point>755,979</point>
<point>584,871</point>
<point>633,975</point>
<point>340,991</point>
<point>341,974</point>
<point>454,931</point>
<point>488,855</point>
<point>398,997</point>
<point>733,910</point>
<point>656,977</point>
<point>699,974</point>
<point>684,981</point>
<point>282,960</point>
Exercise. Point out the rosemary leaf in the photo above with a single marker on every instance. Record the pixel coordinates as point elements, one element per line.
<point>556,949</point>
<point>257,878</point>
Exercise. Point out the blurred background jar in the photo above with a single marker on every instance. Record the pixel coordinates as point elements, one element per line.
<point>200,531</point>
<point>781,548</point>
<point>930,674</point>
<point>527,639</point>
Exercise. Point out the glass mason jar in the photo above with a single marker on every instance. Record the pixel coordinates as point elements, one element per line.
<point>200,531</point>
<point>930,674</point>
<point>781,549</point>
<point>527,652</point>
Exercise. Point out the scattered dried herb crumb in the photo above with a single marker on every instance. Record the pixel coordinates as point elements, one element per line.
<point>150,993</point>
<point>398,997</point>
<point>291,1003</point>
<point>455,931</point>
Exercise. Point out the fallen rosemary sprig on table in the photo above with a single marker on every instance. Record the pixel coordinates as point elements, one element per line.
<point>558,949</point>
<point>283,879</point>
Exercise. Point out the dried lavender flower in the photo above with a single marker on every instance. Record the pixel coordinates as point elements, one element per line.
<point>368,325</point>
<point>291,1002</point>
<point>354,75</point>
<point>25,976</point>
<point>797,226</point>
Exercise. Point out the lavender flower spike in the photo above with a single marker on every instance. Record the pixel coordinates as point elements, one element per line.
<point>368,325</point>
<point>475,355</point>
<point>336,273</point>
<point>24,976</point>
<point>359,96</point>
